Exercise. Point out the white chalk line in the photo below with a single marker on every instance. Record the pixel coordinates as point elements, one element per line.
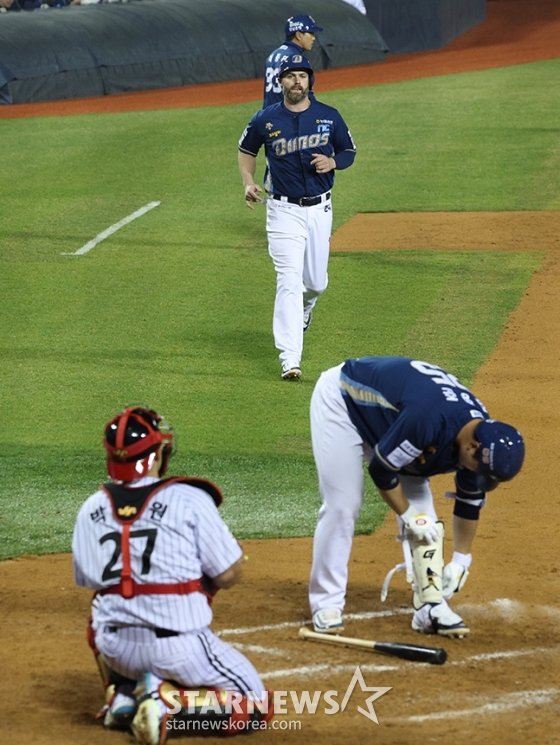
<point>113,229</point>
<point>307,622</point>
<point>257,649</point>
<point>512,609</point>
<point>302,672</point>
<point>506,702</point>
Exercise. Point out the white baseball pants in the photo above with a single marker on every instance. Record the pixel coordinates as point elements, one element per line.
<point>339,452</point>
<point>298,243</point>
<point>195,660</point>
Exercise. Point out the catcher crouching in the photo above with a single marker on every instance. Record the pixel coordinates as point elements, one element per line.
<point>156,550</point>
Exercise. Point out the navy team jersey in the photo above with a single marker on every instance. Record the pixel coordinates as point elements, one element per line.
<point>291,139</point>
<point>272,87</point>
<point>410,412</point>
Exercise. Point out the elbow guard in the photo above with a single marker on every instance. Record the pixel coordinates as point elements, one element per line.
<point>468,505</point>
<point>382,478</point>
<point>466,510</point>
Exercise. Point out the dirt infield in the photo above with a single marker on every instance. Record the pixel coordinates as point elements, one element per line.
<point>501,684</point>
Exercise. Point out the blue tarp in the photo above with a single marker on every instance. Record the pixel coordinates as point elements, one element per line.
<point>101,49</point>
<point>414,25</point>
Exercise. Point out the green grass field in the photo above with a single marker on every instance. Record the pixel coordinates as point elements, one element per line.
<point>174,310</point>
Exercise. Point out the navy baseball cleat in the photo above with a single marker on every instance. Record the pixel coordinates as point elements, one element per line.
<point>439,619</point>
<point>291,373</point>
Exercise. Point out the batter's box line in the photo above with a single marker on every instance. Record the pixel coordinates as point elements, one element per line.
<point>304,671</point>
<point>501,704</point>
<point>510,610</point>
<point>307,622</point>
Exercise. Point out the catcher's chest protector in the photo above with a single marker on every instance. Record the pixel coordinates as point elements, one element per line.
<point>128,504</point>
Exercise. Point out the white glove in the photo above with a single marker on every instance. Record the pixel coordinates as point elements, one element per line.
<point>422,526</point>
<point>455,573</point>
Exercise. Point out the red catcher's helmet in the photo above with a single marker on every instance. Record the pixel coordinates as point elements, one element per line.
<point>131,441</point>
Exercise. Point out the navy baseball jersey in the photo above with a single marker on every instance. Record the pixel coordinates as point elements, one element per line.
<point>272,87</point>
<point>291,139</point>
<point>410,412</point>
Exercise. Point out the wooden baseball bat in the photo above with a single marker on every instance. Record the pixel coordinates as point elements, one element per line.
<point>412,652</point>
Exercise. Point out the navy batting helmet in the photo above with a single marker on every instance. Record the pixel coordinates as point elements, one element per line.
<point>501,453</point>
<point>296,62</point>
<point>132,439</point>
<point>305,24</point>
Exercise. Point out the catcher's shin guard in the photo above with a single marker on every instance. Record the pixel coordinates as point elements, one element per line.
<point>427,568</point>
<point>212,710</point>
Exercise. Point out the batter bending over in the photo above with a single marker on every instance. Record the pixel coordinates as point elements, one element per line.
<point>409,420</point>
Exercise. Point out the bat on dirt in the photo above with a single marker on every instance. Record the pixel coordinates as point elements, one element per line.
<point>412,652</point>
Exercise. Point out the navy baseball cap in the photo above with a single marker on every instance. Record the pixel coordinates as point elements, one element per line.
<point>501,453</point>
<point>305,24</point>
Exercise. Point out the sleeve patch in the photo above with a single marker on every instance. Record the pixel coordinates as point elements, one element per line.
<point>404,454</point>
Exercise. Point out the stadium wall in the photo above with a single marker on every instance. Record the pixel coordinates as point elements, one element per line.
<point>415,25</point>
<point>110,48</point>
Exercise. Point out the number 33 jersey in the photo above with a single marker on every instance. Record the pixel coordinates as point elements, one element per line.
<point>155,534</point>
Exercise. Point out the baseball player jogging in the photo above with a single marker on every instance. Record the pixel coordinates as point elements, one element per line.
<point>305,142</point>
<point>409,420</point>
<point>156,550</point>
<point>300,36</point>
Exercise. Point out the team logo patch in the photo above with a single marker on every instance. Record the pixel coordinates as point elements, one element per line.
<point>269,125</point>
<point>127,511</point>
<point>275,134</point>
<point>121,453</point>
<point>297,58</point>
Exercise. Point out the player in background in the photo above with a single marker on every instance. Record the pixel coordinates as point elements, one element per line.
<point>155,551</point>
<point>408,420</point>
<point>304,141</point>
<point>300,36</point>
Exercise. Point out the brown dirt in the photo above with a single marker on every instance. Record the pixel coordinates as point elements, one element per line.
<point>501,684</point>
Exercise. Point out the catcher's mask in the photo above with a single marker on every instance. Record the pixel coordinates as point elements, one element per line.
<point>500,455</point>
<point>132,439</point>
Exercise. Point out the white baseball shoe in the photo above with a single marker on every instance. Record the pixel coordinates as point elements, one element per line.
<point>121,711</point>
<point>439,619</point>
<point>149,723</point>
<point>291,372</point>
<point>328,622</point>
<point>307,318</point>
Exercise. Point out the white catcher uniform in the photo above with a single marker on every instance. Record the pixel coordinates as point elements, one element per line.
<point>176,537</point>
